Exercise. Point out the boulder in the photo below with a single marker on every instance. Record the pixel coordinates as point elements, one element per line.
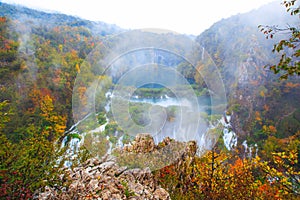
<point>109,178</point>
<point>104,179</point>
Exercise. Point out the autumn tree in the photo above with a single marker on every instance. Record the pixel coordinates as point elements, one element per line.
<point>220,174</point>
<point>31,163</point>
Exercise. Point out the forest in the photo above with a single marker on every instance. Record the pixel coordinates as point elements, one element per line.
<point>47,73</point>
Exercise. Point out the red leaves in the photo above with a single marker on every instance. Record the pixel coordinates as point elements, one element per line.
<point>12,186</point>
<point>3,19</point>
<point>167,171</point>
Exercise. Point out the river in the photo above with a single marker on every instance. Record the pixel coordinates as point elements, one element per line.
<point>180,130</point>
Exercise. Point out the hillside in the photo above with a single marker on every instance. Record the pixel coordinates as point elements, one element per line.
<point>30,16</point>
<point>66,83</point>
<point>241,51</point>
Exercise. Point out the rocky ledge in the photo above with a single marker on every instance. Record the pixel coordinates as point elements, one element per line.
<point>107,178</point>
<point>104,179</point>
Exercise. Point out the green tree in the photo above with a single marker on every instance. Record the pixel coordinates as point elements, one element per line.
<point>31,163</point>
<point>289,48</point>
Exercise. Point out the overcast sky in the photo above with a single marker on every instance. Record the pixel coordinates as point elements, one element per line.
<point>182,16</point>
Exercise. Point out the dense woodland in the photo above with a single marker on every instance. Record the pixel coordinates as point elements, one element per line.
<point>39,62</point>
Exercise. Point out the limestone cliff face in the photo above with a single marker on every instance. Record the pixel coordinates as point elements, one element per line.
<point>145,153</point>
<point>240,51</point>
<point>106,179</point>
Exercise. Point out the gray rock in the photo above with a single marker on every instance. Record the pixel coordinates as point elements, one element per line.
<point>106,180</point>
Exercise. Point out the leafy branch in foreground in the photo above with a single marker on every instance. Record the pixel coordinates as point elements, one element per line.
<point>289,48</point>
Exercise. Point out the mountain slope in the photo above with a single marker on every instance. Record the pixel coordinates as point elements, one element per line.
<point>24,15</point>
<point>256,96</point>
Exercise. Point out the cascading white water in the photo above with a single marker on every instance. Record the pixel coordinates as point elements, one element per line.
<point>172,131</point>
<point>110,145</point>
<point>248,150</point>
<point>120,141</point>
<point>229,137</point>
<point>75,143</point>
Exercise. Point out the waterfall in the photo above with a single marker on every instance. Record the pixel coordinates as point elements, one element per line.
<point>100,128</point>
<point>170,129</point>
<point>229,137</point>
<point>256,149</point>
<point>110,145</point>
<point>245,147</point>
<point>75,143</point>
<point>248,150</point>
<point>120,141</point>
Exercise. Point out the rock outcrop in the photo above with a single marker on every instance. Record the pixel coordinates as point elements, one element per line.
<point>111,179</point>
<point>144,153</point>
<point>104,179</point>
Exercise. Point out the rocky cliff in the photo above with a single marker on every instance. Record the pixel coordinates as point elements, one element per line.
<point>105,178</point>
<point>109,178</point>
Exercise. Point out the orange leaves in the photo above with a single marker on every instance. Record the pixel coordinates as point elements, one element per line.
<point>60,125</point>
<point>3,19</point>
<point>237,166</point>
<point>54,124</point>
<point>7,45</point>
<point>283,172</point>
<point>272,129</point>
<point>74,54</point>
<point>269,129</point>
<point>290,86</point>
<point>266,107</point>
<point>56,29</point>
<point>266,191</point>
<point>258,116</point>
<point>81,91</point>
<point>220,175</point>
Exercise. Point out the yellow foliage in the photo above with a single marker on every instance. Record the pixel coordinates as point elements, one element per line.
<point>77,68</point>
<point>227,176</point>
<point>46,105</point>
<point>262,94</point>
<point>60,47</point>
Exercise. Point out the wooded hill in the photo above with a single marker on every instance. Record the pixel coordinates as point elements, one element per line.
<point>41,54</point>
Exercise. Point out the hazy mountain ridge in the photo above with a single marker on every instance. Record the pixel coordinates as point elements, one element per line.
<point>235,44</point>
<point>39,63</point>
<point>17,12</point>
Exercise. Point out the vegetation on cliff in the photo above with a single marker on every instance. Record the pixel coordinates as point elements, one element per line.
<point>39,61</point>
